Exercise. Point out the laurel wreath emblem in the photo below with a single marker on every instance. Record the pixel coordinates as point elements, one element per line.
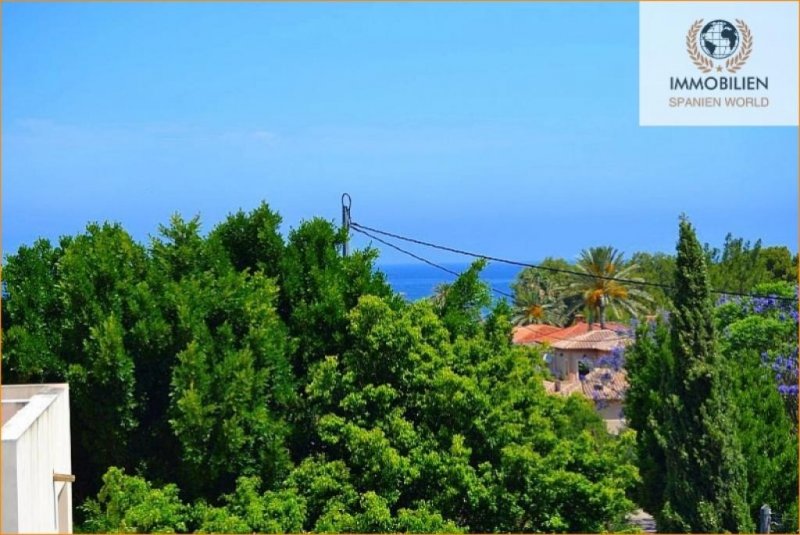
<point>701,62</point>
<point>704,63</point>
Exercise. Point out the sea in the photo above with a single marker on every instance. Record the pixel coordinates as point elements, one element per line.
<point>415,281</point>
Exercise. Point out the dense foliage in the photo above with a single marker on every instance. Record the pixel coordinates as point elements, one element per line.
<point>713,398</point>
<point>759,342</point>
<point>608,283</point>
<point>601,284</point>
<point>538,298</point>
<point>239,381</point>
<point>544,296</point>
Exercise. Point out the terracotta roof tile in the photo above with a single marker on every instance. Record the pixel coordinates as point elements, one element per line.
<point>605,384</point>
<point>599,384</point>
<point>528,334</point>
<point>566,388</point>
<point>600,340</point>
<point>539,334</point>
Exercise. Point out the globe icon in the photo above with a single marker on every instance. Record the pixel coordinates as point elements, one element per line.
<point>719,39</point>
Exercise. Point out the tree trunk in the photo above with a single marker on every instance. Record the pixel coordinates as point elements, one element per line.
<point>602,313</point>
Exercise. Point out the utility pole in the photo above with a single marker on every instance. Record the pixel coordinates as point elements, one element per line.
<point>346,203</point>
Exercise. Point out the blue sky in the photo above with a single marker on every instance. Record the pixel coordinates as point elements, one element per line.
<point>510,129</point>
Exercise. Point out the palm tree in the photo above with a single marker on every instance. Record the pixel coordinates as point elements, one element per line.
<point>439,295</point>
<point>598,291</point>
<point>536,300</point>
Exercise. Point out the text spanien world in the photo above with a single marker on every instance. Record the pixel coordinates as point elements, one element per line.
<point>719,83</point>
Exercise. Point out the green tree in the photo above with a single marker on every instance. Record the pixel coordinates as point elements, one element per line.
<point>319,287</point>
<point>232,383</point>
<point>177,255</point>
<point>553,279</point>
<point>600,265</point>
<point>439,295</point>
<point>658,268</point>
<point>555,270</point>
<point>99,284</point>
<point>285,388</point>
<point>757,338</point>
<point>130,504</point>
<point>737,267</point>
<point>759,342</point>
<point>422,421</point>
<point>464,301</point>
<point>31,319</point>
<point>778,264</point>
<point>537,300</point>
<point>649,365</point>
<point>706,487</point>
<point>180,250</point>
<point>282,511</point>
<point>253,240</point>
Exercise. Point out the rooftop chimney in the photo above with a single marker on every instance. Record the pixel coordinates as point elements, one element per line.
<point>578,319</point>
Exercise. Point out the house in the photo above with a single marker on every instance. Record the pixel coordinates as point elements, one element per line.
<point>584,359</point>
<point>37,459</point>
<point>534,334</point>
<point>547,334</point>
<point>606,387</point>
<point>587,351</point>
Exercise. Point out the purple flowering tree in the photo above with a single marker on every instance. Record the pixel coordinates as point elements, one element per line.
<point>767,324</point>
<point>606,382</point>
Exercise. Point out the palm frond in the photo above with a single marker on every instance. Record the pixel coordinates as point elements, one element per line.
<point>602,265</point>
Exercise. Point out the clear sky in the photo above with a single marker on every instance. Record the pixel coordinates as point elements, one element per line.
<point>509,129</point>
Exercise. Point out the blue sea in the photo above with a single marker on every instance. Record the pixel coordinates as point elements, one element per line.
<point>415,281</point>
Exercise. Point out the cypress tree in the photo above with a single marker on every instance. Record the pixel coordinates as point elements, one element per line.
<point>649,365</point>
<point>706,484</point>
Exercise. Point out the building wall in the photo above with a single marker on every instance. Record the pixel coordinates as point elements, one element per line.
<point>565,361</point>
<point>36,444</point>
<point>611,413</point>
<point>610,410</point>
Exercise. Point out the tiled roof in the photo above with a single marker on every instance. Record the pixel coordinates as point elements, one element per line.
<point>539,334</point>
<point>528,334</point>
<point>600,340</point>
<point>599,384</point>
<point>605,384</point>
<point>566,388</point>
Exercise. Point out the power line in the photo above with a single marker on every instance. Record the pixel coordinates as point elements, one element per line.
<point>421,259</point>
<point>362,228</point>
<point>618,337</point>
<point>503,260</point>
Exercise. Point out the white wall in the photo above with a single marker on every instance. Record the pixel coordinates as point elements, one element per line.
<point>611,412</point>
<point>36,444</point>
